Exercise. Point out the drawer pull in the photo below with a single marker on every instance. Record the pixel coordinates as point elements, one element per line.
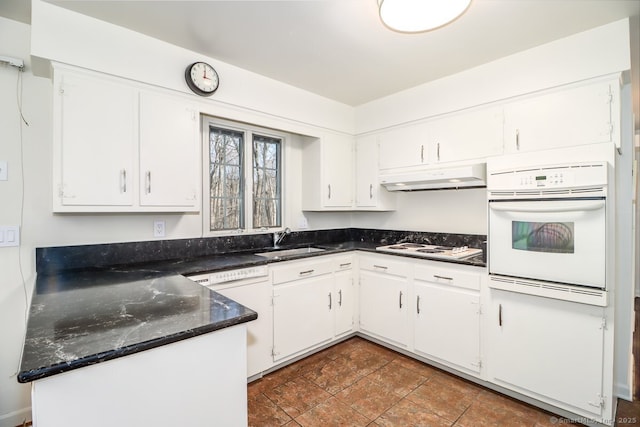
<point>442,277</point>
<point>400,300</point>
<point>418,304</point>
<point>346,264</point>
<point>500,315</point>
<point>302,273</point>
<point>330,301</point>
<point>382,267</point>
<point>340,298</point>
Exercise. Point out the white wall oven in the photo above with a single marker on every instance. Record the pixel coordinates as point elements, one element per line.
<point>548,230</point>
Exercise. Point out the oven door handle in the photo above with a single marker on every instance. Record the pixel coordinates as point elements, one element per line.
<point>530,207</point>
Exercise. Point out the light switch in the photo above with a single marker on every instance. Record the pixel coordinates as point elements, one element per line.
<point>4,175</point>
<point>9,235</point>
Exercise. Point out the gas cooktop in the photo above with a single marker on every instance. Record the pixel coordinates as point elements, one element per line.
<point>431,251</point>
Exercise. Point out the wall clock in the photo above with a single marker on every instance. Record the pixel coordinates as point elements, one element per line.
<point>201,78</point>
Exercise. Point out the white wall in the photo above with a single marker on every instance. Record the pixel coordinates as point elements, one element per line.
<point>597,52</point>
<point>17,141</point>
<point>445,211</point>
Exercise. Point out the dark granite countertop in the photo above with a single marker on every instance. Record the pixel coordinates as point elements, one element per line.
<point>82,318</point>
<point>99,302</point>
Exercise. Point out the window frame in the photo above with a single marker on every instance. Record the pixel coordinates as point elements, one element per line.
<point>247,170</point>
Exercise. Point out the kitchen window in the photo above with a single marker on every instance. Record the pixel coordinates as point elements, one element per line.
<point>244,180</point>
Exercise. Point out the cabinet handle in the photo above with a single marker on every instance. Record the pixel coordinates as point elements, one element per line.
<point>329,300</point>
<point>400,300</point>
<point>370,191</point>
<point>306,272</point>
<point>148,179</point>
<point>422,153</point>
<point>442,277</point>
<point>340,298</point>
<point>438,151</point>
<point>345,264</point>
<point>518,139</point>
<point>329,191</point>
<point>380,266</point>
<point>500,315</point>
<point>418,304</point>
<point>123,177</point>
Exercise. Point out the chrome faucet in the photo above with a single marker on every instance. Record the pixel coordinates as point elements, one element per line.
<point>279,237</point>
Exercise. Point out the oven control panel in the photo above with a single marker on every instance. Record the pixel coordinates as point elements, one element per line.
<point>552,177</point>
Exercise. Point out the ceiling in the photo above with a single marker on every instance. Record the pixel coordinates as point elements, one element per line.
<point>339,48</point>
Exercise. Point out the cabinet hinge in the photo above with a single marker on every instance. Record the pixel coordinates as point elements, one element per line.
<point>274,353</point>
<point>477,364</point>
<point>603,323</point>
<point>599,401</point>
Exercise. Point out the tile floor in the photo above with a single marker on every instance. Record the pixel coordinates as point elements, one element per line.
<point>360,383</point>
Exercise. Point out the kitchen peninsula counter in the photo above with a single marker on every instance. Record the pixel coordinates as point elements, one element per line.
<point>82,318</point>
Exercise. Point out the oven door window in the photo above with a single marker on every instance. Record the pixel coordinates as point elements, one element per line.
<point>552,237</point>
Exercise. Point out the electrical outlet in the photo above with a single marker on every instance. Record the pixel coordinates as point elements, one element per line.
<point>158,228</point>
<point>3,170</point>
<point>302,222</point>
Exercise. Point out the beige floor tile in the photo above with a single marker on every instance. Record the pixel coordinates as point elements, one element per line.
<point>369,398</point>
<point>332,412</point>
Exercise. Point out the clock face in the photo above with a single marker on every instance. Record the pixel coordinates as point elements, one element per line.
<point>202,78</point>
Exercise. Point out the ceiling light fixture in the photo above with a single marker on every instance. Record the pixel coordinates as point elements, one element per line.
<point>415,16</point>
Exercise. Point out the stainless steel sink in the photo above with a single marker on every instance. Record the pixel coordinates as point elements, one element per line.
<point>282,253</point>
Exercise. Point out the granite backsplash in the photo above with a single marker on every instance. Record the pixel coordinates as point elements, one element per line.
<point>52,260</point>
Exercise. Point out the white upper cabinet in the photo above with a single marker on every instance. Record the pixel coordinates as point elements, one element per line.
<point>576,115</point>
<point>117,148</point>
<point>168,147</point>
<point>328,173</point>
<point>94,142</point>
<point>370,195</point>
<point>404,146</point>
<point>468,135</point>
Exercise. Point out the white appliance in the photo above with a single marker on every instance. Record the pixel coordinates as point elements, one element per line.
<point>473,176</point>
<point>547,227</point>
<point>430,251</point>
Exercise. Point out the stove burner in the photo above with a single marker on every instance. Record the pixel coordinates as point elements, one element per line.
<point>411,245</point>
<point>444,248</point>
<point>431,251</point>
<point>398,247</point>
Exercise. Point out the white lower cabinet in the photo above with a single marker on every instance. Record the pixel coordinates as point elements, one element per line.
<point>548,349</point>
<point>384,298</point>
<point>344,296</point>
<point>313,303</point>
<point>446,323</point>
<point>256,296</point>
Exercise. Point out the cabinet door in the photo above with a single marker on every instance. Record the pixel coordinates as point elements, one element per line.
<point>343,302</point>
<point>383,306</point>
<point>370,195</point>
<point>567,117</point>
<point>403,147</point>
<point>367,186</point>
<point>447,324</point>
<point>470,135</point>
<point>545,347</point>
<point>169,154</point>
<point>95,142</point>
<point>302,315</point>
<point>259,332</point>
<point>337,171</point>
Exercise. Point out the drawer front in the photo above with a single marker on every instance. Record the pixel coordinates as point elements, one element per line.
<point>343,263</point>
<point>447,277</point>
<point>385,265</point>
<point>295,270</point>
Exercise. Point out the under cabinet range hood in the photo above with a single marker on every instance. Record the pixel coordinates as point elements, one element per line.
<point>459,176</point>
